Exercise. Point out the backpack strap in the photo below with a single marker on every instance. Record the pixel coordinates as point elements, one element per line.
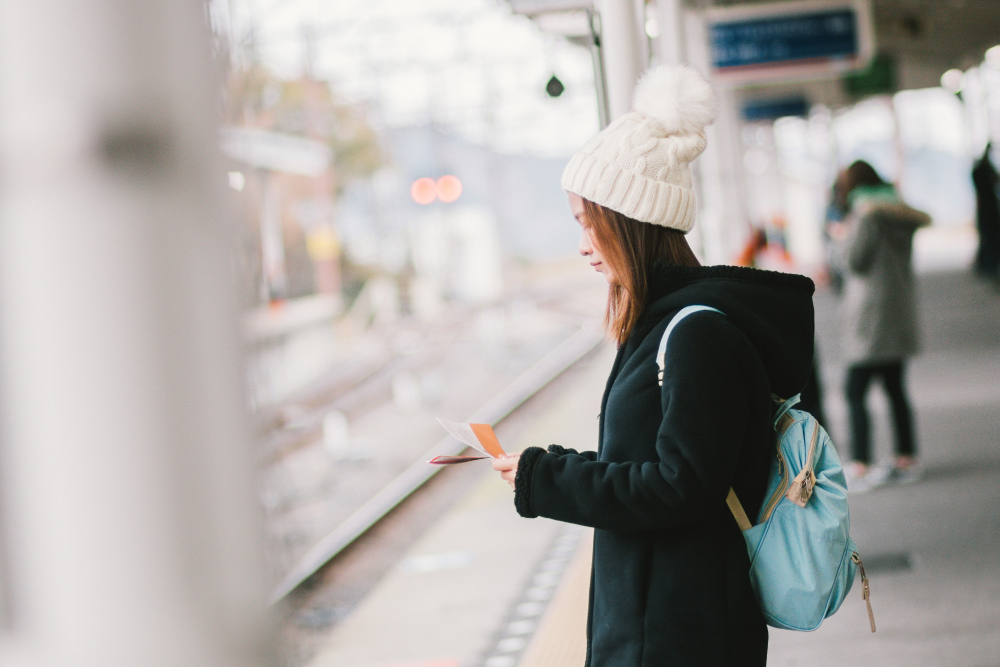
<point>738,512</point>
<point>731,500</point>
<point>784,406</point>
<point>662,350</point>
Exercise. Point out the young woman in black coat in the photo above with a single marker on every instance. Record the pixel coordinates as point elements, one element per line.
<point>670,582</point>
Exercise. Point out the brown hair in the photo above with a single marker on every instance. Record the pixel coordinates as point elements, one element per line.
<point>859,173</point>
<point>630,247</point>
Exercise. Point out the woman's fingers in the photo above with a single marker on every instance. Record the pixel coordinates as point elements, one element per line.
<point>504,463</point>
<point>507,467</point>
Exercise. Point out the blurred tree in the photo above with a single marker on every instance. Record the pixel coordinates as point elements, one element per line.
<point>878,78</point>
<point>307,107</point>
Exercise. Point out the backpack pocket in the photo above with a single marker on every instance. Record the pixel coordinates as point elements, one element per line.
<point>799,578</point>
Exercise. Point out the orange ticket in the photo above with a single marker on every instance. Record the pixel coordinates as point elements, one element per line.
<point>478,436</point>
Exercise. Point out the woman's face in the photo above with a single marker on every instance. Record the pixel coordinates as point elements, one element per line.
<point>588,243</point>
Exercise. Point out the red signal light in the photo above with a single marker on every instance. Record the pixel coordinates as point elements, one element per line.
<point>449,188</point>
<point>423,190</point>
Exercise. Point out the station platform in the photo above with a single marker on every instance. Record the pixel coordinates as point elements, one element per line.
<point>486,588</point>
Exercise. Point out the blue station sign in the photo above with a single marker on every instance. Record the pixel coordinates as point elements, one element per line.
<point>784,40</point>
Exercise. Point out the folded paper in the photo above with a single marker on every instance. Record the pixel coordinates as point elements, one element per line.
<point>477,436</point>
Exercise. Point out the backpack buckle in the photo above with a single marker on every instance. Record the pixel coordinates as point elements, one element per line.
<point>801,488</point>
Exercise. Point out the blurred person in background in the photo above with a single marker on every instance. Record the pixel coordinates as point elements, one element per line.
<point>880,316</point>
<point>985,181</point>
<point>670,579</point>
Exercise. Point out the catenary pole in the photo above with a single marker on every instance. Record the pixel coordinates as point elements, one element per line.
<point>128,529</point>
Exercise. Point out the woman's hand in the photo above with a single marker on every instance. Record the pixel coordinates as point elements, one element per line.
<point>507,466</point>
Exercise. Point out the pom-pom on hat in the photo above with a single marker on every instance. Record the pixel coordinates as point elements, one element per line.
<point>639,164</point>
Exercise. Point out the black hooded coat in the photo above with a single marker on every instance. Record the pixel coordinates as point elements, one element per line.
<point>670,583</point>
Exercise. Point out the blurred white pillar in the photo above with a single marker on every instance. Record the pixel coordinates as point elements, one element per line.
<point>726,223</point>
<point>722,206</point>
<point>129,534</point>
<point>669,16</point>
<point>642,38</point>
<point>622,38</point>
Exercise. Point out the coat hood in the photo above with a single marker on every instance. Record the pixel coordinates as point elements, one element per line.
<point>773,310</point>
<point>884,203</point>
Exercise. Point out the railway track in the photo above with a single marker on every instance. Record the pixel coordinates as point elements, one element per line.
<point>571,350</point>
<point>359,388</point>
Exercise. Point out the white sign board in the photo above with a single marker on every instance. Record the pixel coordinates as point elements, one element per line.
<point>277,152</point>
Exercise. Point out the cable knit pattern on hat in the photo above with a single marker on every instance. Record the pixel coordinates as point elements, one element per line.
<point>640,164</point>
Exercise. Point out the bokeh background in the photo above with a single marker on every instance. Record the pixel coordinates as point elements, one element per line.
<point>250,250</point>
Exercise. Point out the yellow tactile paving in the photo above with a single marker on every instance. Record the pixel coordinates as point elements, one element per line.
<point>561,638</point>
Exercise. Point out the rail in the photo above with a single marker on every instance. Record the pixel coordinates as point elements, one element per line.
<point>495,410</point>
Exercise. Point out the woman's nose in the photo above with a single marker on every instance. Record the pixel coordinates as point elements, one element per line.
<point>585,248</point>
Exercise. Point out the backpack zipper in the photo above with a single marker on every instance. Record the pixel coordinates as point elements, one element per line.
<point>866,593</point>
<point>781,427</point>
<point>802,486</point>
<point>779,492</point>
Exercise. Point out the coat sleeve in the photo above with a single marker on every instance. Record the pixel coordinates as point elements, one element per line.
<point>705,417</point>
<point>588,454</point>
<point>862,244</point>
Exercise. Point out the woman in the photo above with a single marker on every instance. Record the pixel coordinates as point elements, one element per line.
<point>670,583</point>
<point>880,316</point>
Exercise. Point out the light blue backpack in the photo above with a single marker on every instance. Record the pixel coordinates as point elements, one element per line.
<point>802,559</point>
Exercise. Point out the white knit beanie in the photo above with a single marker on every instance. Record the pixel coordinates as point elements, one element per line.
<point>639,164</point>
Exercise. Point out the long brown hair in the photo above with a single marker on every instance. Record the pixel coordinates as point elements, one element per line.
<point>630,247</point>
<point>858,174</point>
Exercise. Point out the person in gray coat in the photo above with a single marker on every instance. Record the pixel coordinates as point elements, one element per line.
<point>880,318</point>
